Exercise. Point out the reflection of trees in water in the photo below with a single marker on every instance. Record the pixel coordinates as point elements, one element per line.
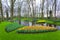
<point>25,23</point>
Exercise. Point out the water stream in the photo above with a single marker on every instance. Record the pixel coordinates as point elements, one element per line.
<point>30,24</point>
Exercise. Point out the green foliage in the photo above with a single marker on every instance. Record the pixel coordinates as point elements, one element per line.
<point>35,31</point>
<point>12,27</point>
<point>41,21</point>
<point>57,23</point>
<point>50,21</point>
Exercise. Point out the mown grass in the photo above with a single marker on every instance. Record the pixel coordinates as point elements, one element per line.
<point>38,36</point>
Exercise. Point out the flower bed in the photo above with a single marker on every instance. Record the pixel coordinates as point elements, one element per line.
<point>36,29</point>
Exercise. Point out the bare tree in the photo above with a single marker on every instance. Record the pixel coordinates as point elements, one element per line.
<point>55,8</point>
<point>28,2</point>
<point>33,12</point>
<point>32,2</point>
<point>51,14</point>
<point>7,15</point>
<point>54,5</point>
<point>12,7</point>
<point>47,8</point>
<point>51,11</point>
<point>1,10</point>
<point>7,9</point>
<point>19,10</point>
<point>42,8</point>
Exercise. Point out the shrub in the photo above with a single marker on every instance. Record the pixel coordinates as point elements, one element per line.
<point>12,27</point>
<point>36,29</point>
<point>41,21</point>
<point>50,21</point>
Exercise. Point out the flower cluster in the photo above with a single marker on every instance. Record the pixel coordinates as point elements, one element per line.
<point>36,29</point>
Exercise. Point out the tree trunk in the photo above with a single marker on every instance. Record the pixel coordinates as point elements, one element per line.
<point>19,15</point>
<point>55,8</point>
<point>42,15</point>
<point>47,8</point>
<point>33,15</point>
<point>7,15</point>
<point>51,14</point>
<point>12,8</point>
<point>28,1</point>
<point>1,11</point>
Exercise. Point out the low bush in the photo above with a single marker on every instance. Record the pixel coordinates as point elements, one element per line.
<point>12,27</point>
<point>41,21</point>
<point>36,29</point>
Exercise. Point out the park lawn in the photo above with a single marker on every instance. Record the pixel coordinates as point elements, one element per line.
<point>38,36</point>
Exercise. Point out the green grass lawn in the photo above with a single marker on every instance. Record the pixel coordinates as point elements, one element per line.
<point>15,36</point>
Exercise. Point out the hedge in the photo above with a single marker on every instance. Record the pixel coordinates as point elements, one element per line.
<point>12,27</point>
<point>36,29</point>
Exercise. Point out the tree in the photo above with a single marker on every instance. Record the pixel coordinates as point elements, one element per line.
<point>47,8</point>
<point>7,14</point>
<point>12,7</point>
<point>42,8</point>
<point>28,2</point>
<point>51,14</point>
<point>54,8</point>
<point>28,15</point>
<point>54,5</point>
<point>1,10</point>
<point>33,15</point>
<point>7,9</point>
<point>19,10</point>
<point>51,11</point>
<point>32,2</point>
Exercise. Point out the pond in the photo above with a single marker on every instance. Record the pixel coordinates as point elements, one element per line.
<point>25,23</point>
<point>58,27</point>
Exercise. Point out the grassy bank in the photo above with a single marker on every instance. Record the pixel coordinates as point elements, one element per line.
<point>15,36</point>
